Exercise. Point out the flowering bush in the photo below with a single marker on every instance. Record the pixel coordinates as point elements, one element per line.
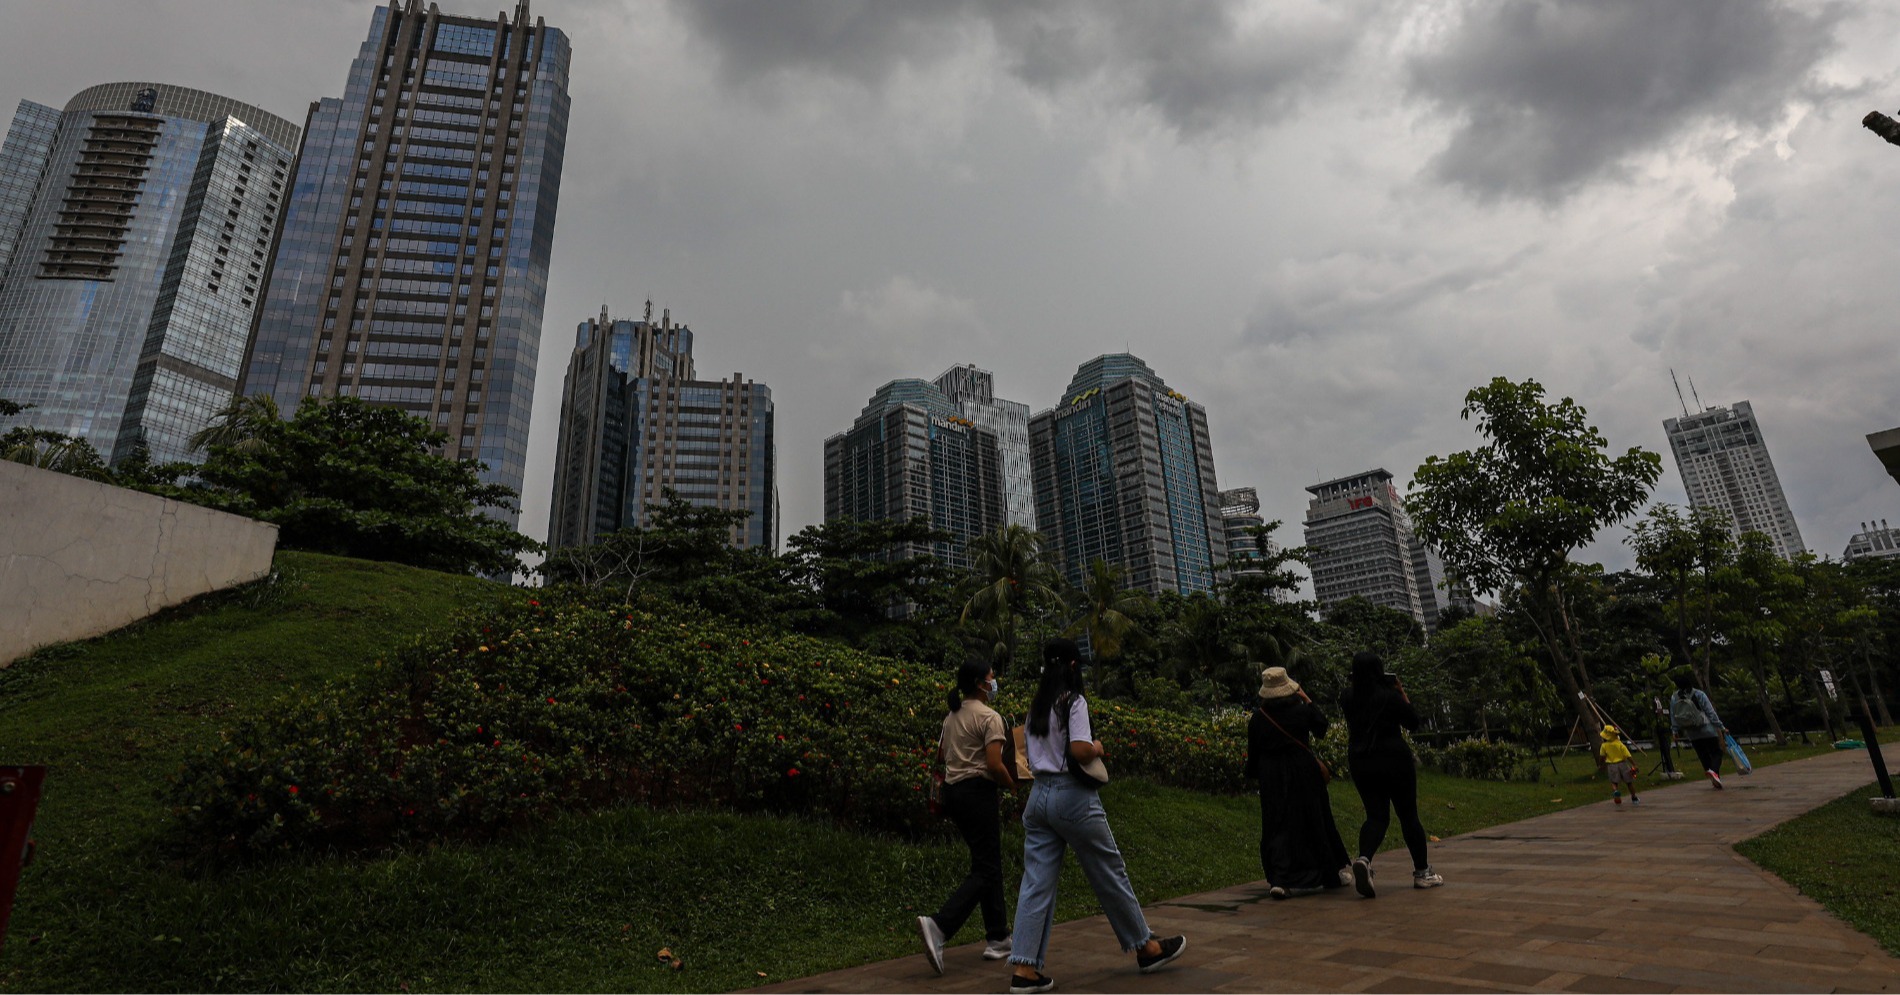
<point>566,702</point>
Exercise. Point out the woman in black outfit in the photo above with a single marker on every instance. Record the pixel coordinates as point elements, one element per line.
<point>1300,848</point>
<point>1383,768</point>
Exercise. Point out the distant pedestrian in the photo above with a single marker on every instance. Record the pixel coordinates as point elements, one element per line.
<point>1618,763</point>
<point>1383,768</point>
<point>1065,812</point>
<point>970,747</point>
<point>1300,849</point>
<point>1692,717</point>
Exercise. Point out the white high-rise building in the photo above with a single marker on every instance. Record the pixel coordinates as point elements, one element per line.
<point>1724,465</point>
<point>1874,541</point>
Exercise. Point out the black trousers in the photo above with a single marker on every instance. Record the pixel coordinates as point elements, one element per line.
<point>1396,790</point>
<point>972,806</point>
<point>1709,750</point>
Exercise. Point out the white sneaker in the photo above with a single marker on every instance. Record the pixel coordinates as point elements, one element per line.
<point>1426,878</point>
<point>1345,876</point>
<point>933,941</point>
<point>1715,779</point>
<point>1362,877</point>
<point>998,949</point>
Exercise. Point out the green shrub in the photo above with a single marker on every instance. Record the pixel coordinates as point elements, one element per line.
<point>563,702</point>
<point>1482,760</point>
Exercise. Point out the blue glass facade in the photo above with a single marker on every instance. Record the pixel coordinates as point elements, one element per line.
<point>412,270</point>
<point>912,454</point>
<point>138,261</point>
<point>1125,473</point>
<point>635,422</point>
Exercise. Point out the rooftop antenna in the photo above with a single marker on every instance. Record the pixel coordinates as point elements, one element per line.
<point>649,318</point>
<point>1679,400</point>
<point>1698,398</point>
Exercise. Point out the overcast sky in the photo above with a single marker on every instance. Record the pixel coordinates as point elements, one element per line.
<point>1324,221</point>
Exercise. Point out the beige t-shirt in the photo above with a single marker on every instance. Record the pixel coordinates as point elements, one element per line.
<point>967,733</point>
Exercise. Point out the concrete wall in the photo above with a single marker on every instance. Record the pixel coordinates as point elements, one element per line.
<point>79,558</point>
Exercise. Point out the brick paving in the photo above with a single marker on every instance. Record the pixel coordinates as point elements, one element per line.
<point>1591,899</point>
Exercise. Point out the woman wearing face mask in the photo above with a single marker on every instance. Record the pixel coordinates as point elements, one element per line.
<point>971,751</point>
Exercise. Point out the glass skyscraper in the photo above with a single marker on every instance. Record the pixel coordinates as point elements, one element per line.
<point>973,391</point>
<point>412,269</point>
<point>635,422</point>
<point>135,229</point>
<point>1125,473</point>
<point>911,453</point>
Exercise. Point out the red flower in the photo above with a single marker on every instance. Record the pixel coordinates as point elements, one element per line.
<point>736,727</point>
<point>550,701</point>
<point>535,603</point>
<point>792,773</point>
<point>293,789</point>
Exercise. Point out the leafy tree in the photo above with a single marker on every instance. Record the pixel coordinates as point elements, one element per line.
<point>1010,579</point>
<point>860,573</point>
<point>1757,595</point>
<point>348,478</point>
<point>1511,512</point>
<point>10,408</point>
<point>1684,551</point>
<point>1108,613</point>
<point>1499,685</point>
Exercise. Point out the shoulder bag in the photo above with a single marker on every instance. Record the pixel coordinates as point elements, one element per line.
<point>1325,772</point>
<point>1091,775</point>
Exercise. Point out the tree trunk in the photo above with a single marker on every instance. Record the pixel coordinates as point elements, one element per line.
<point>1787,691</point>
<point>1820,698</point>
<point>1767,707</point>
<point>1873,682</point>
<point>1554,643</point>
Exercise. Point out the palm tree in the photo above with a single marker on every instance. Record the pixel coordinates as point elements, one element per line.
<point>1108,612</point>
<point>238,423</point>
<point>1009,578</point>
<point>58,453</point>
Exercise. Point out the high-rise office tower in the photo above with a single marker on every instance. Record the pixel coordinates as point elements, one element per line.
<point>1724,465</point>
<point>911,453</point>
<point>135,228</point>
<point>1125,474</point>
<point>413,265</point>
<point>973,391</point>
<point>1874,541</point>
<point>1361,544</point>
<point>1239,512</point>
<point>635,422</point>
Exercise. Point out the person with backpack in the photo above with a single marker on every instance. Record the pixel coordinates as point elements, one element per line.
<point>970,747</point>
<point>1064,812</point>
<point>1383,768</point>
<point>1692,717</point>
<point>1300,849</point>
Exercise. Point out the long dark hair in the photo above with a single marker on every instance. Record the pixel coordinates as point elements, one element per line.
<point>970,677</point>
<point>1061,674</point>
<point>1368,675</point>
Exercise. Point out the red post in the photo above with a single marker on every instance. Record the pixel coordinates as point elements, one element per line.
<point>19,799</point>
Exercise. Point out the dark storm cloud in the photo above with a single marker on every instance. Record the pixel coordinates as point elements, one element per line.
<point>1551,94</point>
<point>1196,65</point>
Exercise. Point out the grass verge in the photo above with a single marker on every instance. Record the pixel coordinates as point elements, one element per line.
<point>1844,856</point>
<point>581,903</point>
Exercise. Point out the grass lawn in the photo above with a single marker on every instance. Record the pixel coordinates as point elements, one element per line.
<point>1844,856</point>
<point>580,903</point>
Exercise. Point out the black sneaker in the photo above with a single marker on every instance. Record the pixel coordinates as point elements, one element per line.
<point>1170,949</point>
<point>1040,983</point>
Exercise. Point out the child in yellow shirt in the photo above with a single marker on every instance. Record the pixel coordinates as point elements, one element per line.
<point>1617,761</point>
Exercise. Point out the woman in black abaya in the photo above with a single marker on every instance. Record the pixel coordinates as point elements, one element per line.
<point>1300,848</point>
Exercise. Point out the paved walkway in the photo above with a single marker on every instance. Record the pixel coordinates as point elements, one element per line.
<point>1592,899</point>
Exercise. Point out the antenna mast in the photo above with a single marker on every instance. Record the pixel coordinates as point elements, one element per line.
<point>1679,400</point>
<point>1698,397</point>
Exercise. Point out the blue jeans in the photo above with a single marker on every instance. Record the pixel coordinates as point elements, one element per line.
<point>1062,814</point>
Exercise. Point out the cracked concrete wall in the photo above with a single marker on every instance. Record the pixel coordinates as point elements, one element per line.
<point>79,558</point>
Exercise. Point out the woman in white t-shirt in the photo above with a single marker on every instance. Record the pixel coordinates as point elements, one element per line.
<point>1065,813</point>
<point>970,747</point>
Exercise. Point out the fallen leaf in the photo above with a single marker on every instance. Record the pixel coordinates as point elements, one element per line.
<point>1432,839</point>
<point>666,953</point>
<point>759,973</point>
<point>1554,801</point>
<point>1451,804</point>
<point>677,964</point>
